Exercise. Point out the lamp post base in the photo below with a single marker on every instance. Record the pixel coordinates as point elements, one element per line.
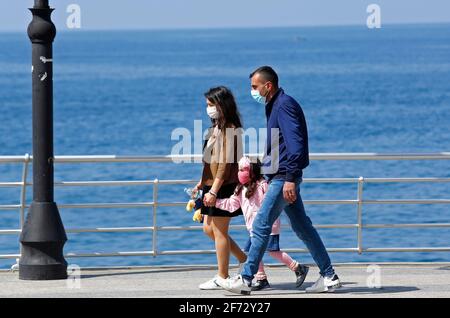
<point>42,272</point>
<point>43,237</point>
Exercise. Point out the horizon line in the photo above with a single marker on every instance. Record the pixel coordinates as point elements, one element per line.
<point>82,29</point>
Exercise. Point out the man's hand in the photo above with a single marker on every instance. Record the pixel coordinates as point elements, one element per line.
<point>209,200</point>
<point>289,192</point>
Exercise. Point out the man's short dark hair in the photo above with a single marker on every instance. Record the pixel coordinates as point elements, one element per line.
<point>267,73</point>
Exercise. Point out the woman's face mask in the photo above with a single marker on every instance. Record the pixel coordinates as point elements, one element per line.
<point>212,112</point>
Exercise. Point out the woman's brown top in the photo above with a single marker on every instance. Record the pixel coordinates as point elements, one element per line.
<point>221,155</point>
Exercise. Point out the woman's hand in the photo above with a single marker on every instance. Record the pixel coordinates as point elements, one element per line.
<point>195,190</point>
<point>209,200</point>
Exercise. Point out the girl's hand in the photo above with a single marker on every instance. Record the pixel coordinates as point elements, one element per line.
<point>209,200</point>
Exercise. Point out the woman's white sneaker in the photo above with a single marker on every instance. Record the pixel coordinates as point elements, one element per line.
<point>222,282</point>
<point>325,285</point>
<point>211,284</point>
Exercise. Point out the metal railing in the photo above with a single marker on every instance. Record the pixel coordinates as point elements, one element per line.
<point>359,202</point>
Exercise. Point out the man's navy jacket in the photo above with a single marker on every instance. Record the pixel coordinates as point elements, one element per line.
<point>286,115</point>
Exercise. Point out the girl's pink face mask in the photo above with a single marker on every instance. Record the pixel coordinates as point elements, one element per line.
<point>244,176</point>
<point>244,170</point>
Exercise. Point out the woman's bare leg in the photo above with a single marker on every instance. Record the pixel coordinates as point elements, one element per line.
<point>207,227</point>
<point>237,252</point>
<point>220,227</point>
<point>234,248</point>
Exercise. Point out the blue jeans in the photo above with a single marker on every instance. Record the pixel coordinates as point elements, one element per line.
<point>270,210</point>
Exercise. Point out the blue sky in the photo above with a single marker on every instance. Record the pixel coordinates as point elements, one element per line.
<point>180,14</point>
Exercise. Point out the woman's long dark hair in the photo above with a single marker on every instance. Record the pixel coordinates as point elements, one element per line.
<point>255,176</point>
<point>226,106</point>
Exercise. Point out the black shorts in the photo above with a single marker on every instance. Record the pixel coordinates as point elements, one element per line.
<point>225,192</point>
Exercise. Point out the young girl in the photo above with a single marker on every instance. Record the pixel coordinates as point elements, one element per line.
<point>248,196</point>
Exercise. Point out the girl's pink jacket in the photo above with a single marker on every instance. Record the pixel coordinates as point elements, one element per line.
<point>249,206</point>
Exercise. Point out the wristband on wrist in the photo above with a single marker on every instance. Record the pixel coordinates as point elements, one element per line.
<point>213,193</point>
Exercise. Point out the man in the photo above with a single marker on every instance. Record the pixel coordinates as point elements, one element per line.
<point>286,116</point>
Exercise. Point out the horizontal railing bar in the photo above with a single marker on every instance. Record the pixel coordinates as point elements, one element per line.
<point>322,202</point>
<point>412,225</point>
<point>120,182</point>
<point>177,181</point>
<point>407,249</point>
<point>194,228</point>
<point>239,227</point>
<point>331,250</point>
<point>10,207</point>
<point>10,184</point>
<point>186,252</point>
<point>405,180</point>
<point>13,231</point>
<point>105,205</point>
<point>9,256</point>
<point>112,229</point>
<point>93,230</point>
<point>408,201</point>
<point>315,202</point>
<point>13,159</point>
<point>330,180</point>
<point>110,254</point>
<point>102,183</point>
<point>379,156</point>
<point>170,158</point>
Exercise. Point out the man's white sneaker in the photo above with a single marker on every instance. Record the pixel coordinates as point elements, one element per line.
<point>211,284</point>
<point>238,285</point>
<point>325,285</point>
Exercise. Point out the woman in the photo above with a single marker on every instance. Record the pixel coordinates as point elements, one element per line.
<point>220,177</point>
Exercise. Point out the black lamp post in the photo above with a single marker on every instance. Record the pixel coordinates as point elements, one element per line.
<point>43,235</point>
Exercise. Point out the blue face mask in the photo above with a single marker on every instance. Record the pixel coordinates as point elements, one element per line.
<point>257,96</point>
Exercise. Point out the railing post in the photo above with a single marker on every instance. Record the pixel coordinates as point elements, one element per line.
<point>23,194</point>
<point>155,207</point>
<point>359,213</point>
